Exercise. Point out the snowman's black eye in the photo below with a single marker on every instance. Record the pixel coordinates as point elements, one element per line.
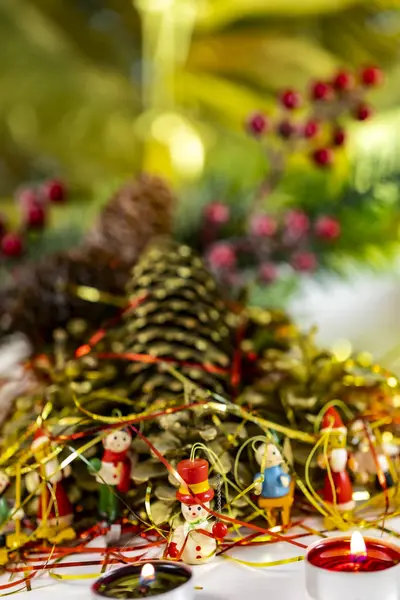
<point>199,508</point>
<point>115,437</point>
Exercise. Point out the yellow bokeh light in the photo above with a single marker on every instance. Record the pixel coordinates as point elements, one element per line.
<point>387,437</point>
<point>183,141</point>
<point>166,125</point>
<point>392,382</point>
<point>187,153</point>
<point>342,349</point>
<point>365,359</point>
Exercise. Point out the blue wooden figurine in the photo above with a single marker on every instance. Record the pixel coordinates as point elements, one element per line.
<point>274,485</point>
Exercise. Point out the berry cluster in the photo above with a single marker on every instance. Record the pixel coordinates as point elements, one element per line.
<point>34,203</point>
<point>268,242</point>
<point>315,123</point>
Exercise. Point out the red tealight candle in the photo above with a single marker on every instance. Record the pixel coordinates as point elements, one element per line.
<point>354,555</point>
<point>344,568</point>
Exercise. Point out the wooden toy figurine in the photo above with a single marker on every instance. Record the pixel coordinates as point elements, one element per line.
<point>369,456</point>
<point>274,485</point>
<point>195,542</point>
<point>338,489</point>
<point>55,513</point>
<point>113,472</point>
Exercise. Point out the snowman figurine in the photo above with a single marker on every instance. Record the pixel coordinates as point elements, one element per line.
<point>188,542</point>
<point>113,472</point>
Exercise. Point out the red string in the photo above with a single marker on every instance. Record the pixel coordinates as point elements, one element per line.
<point>99,335</point>
<point>147,358</point>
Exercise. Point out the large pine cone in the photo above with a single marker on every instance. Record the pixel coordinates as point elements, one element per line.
<point>141,209</point>
<point>182,318</point>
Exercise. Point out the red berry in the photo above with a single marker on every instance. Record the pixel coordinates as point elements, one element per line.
<point>26,197</point>
<point>267,273</point>
<point>11,245</point>
<point>286,129</point>
<point>263,225</point>
<point>372,76</point>
<point>327,228</point>
<point>321,91</point>
<point>54,191</point>
<point>222,256</point>
<point>35,216</point>
<point>323,157</point>
<point>173,550</point>
<point>217,213</point>
<point>344,81</point>
<point>257,124</point>
<point>363,112</point>
<point>219,530</point>
<point>311,129</point>
<point>339,137</point>
<point>291,99</point>
<point>297,223</point>
<point>304,261</point>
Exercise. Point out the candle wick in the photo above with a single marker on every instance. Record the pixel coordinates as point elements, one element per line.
<point>359,558</point>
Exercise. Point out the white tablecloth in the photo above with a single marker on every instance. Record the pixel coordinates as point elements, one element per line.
<point>220,579</point>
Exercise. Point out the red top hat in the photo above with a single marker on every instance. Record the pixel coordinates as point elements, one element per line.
<point>195,474</point>
<point>332,421</point>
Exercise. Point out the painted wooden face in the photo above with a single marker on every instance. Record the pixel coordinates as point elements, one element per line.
<point>268,455</point>
<point>194,513</point>
<point>337,439</point>
<point>117,441</point>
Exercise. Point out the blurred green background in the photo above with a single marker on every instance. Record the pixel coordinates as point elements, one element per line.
<point>94,90</point>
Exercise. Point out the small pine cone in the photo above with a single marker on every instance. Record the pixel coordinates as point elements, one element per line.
<point>44,297</point>
<point>141,209</point>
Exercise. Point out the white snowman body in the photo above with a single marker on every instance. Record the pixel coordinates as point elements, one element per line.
<point>199,548</point>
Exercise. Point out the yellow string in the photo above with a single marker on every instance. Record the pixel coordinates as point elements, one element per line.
<point>147,504</point>
<point>252,440</point>
<point>311,494</point>
<point>271,563</point>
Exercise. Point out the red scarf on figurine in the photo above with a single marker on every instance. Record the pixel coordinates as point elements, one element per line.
<point>123,462</point>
